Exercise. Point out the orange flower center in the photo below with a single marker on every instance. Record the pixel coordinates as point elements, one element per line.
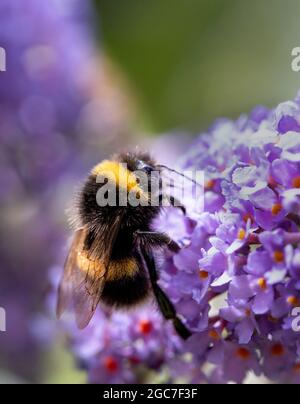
<point>296,182</point>
<point>145,327</point>
<point>293,301</point>
<point>210,184</point>
<point>243,353</point>
<point>262,283</point>
<point>213,334</point>
<point>279,257</point>
<point>273,319</point>
<point>277,350</point>
<point>203,275</point>
<point>134,360</point>
<point>272,182</point>
<point>242,234</point>
<point>247,217</point>
<point>110,364</point>
<point>276,209</point>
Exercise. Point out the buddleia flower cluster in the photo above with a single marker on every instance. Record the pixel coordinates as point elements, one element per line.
<point>236,282</point>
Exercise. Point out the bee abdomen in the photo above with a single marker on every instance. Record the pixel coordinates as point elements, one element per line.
<point>126,291</point>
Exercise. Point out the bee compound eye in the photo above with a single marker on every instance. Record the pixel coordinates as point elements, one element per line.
<point>148,169</point>
<point>144,167</point>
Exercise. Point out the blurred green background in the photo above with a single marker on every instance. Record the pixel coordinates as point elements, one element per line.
<point>191,61</point>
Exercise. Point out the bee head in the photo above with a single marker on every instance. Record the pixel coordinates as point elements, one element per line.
<point>138,162</point>
<point>125,181</point>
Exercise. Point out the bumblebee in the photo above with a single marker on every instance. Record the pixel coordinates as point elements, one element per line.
<point>112,257</point>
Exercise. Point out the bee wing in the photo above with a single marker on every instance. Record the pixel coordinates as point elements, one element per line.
<point>87,290</point>
<point>104,238</point>
<point>65,287</point>
<point>80,287</point>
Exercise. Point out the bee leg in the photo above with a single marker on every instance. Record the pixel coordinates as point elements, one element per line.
<point>169,312</point>
<point>165,305</point>
<point>156,239</point>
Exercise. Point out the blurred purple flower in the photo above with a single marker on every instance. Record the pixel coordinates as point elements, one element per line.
<point>57,113</point>
<point>41,93</point>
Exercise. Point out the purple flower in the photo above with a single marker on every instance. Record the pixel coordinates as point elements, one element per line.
<point>277,359</point>
<point>243,320</point>
<point>234,362</point>
<point>236,281</point>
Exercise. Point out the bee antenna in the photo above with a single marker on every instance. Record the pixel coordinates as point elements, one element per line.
<point>179,173</point>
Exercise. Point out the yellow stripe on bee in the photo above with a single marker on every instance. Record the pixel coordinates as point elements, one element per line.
<point>122,268</point>
<point>117,270</point>
<point>90,266</point>
<point>117,173</point>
